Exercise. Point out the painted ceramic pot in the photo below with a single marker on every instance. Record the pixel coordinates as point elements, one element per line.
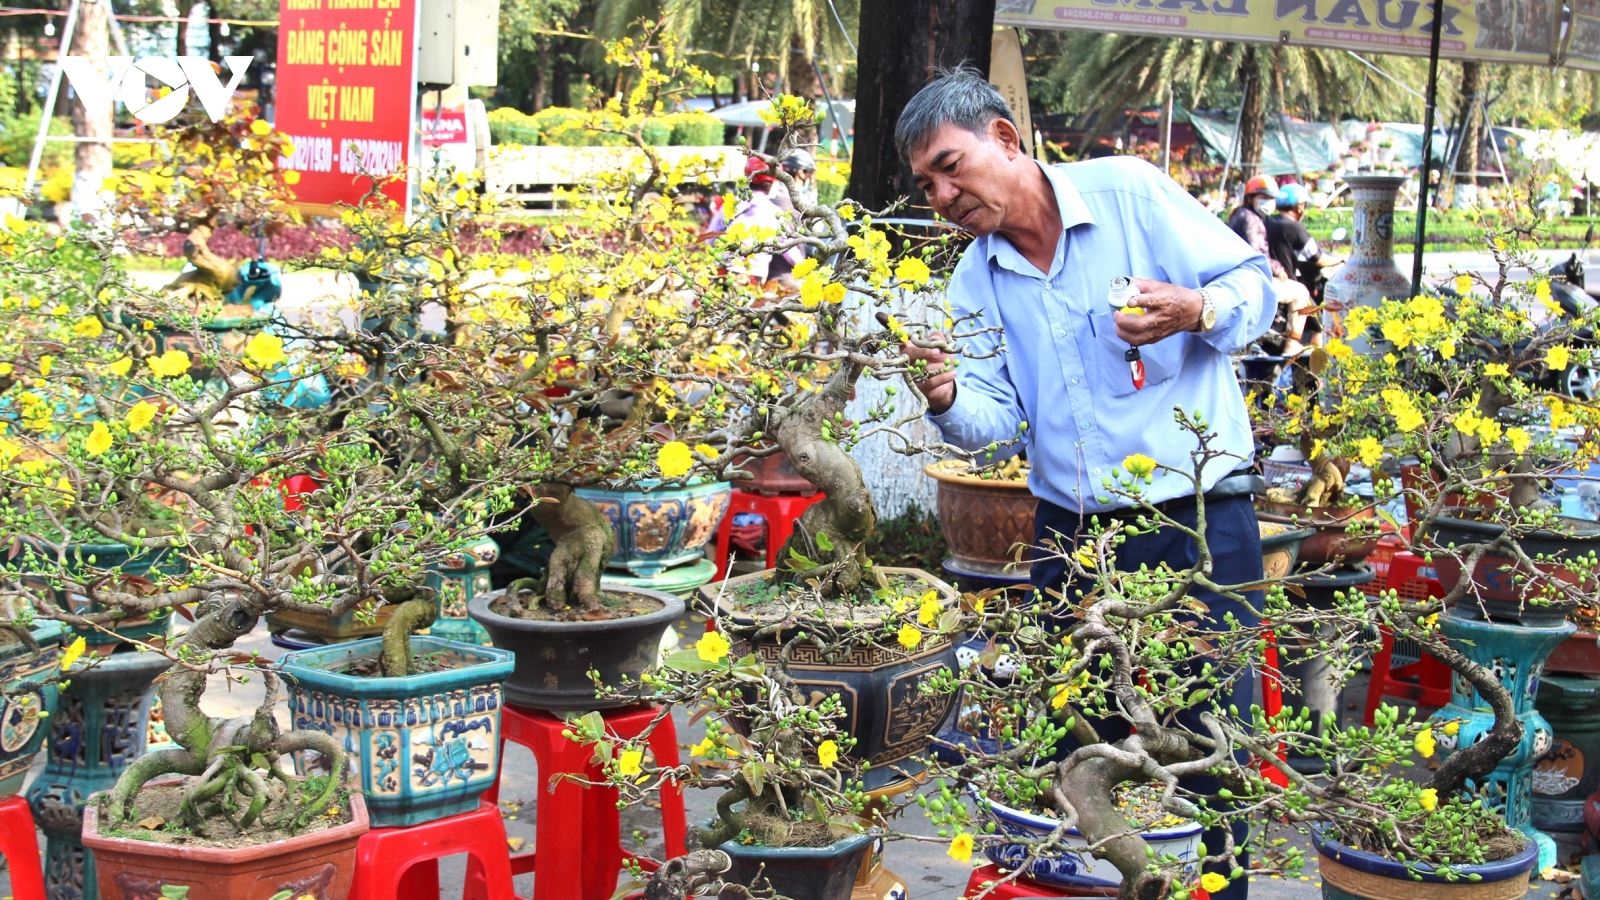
<point>1370,275</point>
<point>1349,874</point>
<point>427,746</point>
<point>457,579</point>
<point>983,520</point>
<point>659,527</point>
<point>26,701</point>
<point>1076,867</point>
<point>886,710</point>
<point>806,873</point>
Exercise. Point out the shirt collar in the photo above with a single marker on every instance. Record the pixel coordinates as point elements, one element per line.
<point>1074,212</point>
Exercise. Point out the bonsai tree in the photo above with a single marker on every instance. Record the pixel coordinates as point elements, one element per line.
<point>110,439</point>
<point>1130,649</point>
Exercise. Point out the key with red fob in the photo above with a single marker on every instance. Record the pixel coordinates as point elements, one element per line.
<point>1121,293</point>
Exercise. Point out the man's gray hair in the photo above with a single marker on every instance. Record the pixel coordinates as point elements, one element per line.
<point>961,97</point>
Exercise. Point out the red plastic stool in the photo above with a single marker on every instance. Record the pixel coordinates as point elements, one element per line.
<point>780,513</point>
<point>1022,887</point>
<point>1272,702</point>
<point>1418,677</point>
<point>404,862</point>
<point>577,852</point>
<point>19,843</point>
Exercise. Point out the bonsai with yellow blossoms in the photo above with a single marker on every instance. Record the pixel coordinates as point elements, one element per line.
<point>108,439</point>
<point>1098,713</point>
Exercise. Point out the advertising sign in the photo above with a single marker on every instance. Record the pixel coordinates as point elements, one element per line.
<point>1513,31</point>
<point>346,95</point>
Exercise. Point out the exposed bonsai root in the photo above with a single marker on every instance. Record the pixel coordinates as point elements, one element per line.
<point>173,761</point>
<point>305,739</point>
<point>680,876</point>
<point>409,618</point>
<point>211,272</point>
<point>584,544</point>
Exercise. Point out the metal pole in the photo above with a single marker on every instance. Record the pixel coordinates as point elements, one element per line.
<point>1427,148</point>
<point>1233,149</point>
<point>1488,127</point>
<point>49,109</point>
<point>1166,133</point>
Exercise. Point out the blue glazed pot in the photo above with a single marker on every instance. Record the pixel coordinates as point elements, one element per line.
<point>458,579</point>
<point>802,873</point>
<point>111,556</point>
<point>660,527</point>
<point>1516,653</point>
<point>26,702</point>
<point>427,746</point>
<point>1349,874</point>
<point>1076,868</point>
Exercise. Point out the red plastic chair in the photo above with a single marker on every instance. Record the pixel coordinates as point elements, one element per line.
<point>404,862</point>
<point>578,850</point>
<point>1405,671</point>
<point>780,513</point>
<point>19,844</point>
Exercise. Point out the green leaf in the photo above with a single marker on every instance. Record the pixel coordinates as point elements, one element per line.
<point>824,543</point>
<point>755,773</point>
<point>798,562</point>
<point>180,892</point>
<point>688,660</point>
<point>282,895</point>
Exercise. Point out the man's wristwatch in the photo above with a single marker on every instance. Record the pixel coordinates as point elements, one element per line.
<point>1208,312</point>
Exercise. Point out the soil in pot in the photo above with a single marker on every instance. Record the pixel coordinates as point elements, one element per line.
<point>529,606</point>
<point>768,599</point>
<point>421,664</point>
<point>159,808</point>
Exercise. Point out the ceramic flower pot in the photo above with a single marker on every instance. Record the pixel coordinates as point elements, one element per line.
<point>1330,543</point>
<point>802,873</point>
<point>1076,868</point>
<point>107,556</point>
<point>1516,654</point>
<point>346,626</point>
<point>886,711</point>
<point>553,659</point>
<point>319,864</point>
<point>1349,874</point>
<point>1569,772</point>
<point>457,579</point>
<point>1370,275</point>
<point>661,527</point>
<point>1501,586</point>
<point>428,745</point>
<point>100,726</point>
<point>26,702</point>
<point>1280,547</point>
<point>983,520</point>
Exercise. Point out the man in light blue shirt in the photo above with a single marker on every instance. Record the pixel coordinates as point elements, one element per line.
<point>1050,240</point>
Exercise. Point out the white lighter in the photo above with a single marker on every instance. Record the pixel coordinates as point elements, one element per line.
<point>1121,294</point>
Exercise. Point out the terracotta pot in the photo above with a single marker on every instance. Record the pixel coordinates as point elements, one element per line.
<point>1330,543</point>
<point>774,475</point>
<point>886,710</point>
<point>983,519</point>
<point>320,864</point>
<point>1422,485</point>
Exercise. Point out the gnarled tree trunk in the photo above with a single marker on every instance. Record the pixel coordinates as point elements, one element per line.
<point>1253,124</point>
<point>584,544</point>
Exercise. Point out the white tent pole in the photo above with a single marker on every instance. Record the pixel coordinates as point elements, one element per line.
<point>50,103</point>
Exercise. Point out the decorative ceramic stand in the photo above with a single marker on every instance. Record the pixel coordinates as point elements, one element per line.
<point>680,581</point>
<point>1569,772</point>
<point>101,725</point>
<point>1516,653</point>
<point>1370,275</point>
<point>458,579</point>
<point>659,527</point>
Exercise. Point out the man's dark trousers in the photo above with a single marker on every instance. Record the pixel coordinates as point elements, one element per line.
<point>1235,543</point>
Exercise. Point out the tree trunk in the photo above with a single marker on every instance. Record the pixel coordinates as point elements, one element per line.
<point>803,84</point>
<point>1471,119</point>
<point>903,43</point>
<point>92,39</point>
<point>541,84</point>
<point>1253,126</point>
<point>584,544</point>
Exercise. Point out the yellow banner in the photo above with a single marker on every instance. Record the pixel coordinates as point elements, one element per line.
<point>1513,31</point>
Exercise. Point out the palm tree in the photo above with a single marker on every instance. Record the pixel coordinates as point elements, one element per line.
<point>727,36</point>
<point>1103,73</point>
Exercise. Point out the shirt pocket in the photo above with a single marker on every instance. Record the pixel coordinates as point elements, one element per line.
<point>1108,365</point>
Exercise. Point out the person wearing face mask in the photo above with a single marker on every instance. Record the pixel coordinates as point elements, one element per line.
<point>1249,221</point>
<point>801,167</point>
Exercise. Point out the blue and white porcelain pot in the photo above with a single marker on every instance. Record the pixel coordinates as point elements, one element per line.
<point>1350,874</point>
<point>1075,867</point>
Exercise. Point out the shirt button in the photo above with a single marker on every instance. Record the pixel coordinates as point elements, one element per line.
<point>1074,381</point>
<point>1097,471</point>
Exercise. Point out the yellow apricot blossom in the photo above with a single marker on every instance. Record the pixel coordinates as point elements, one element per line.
<point>961,848</point>
<point>713,647</point>
<point>674,459</point>
<point>827,754</point>
<point>99,440</point>
<point>265,350</point>
<point>140,415</point>
<point>909,636</point>
<point>170,364</point>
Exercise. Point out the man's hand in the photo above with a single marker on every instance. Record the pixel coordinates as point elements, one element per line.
<point>1167,310</point>
<point>938,384</point>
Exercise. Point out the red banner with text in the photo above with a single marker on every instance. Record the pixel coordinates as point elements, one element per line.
<point>346,95</point>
